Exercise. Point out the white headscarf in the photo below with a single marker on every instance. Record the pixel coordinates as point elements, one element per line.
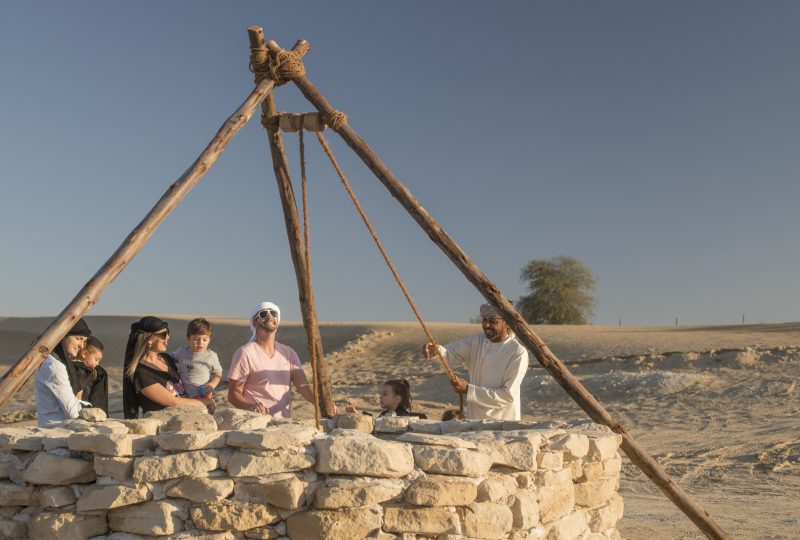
<point>259,307</point>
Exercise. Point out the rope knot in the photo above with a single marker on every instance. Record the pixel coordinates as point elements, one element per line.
<point>281,67</point>
<point>258,63</point>
<point>336,120</point>
<point>271,123</point>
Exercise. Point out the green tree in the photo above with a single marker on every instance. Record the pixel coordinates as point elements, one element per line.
<point>561,291</point>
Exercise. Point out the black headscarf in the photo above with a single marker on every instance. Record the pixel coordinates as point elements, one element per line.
<point>145,325</point>
<point>79,329</point>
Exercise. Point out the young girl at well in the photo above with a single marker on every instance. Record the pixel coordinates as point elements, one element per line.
<point>395,398</point>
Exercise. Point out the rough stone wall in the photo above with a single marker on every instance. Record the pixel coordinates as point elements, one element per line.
<point>182,474</point>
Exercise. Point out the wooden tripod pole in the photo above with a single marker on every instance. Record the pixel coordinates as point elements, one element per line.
<point>21,371</point>
<point>532,342</point>
<point>280,166</point>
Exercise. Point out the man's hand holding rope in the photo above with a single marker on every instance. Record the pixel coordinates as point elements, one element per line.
<point>460,385</point>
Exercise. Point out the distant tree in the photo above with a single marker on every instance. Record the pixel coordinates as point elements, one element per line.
<point>561,291</point>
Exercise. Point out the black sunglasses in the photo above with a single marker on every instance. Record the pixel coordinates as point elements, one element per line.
<point>163,333</point>
<point>264,313</point>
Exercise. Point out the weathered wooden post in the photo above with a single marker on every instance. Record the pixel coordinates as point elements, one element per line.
<point>22,370</point>
<point>489,290</point>
<point>280,166</point>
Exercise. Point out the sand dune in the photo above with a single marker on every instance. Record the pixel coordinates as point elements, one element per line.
<point>717,405</point>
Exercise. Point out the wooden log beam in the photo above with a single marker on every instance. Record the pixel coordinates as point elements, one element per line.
<point>291,122</point>
<point>527,337</point>
<point>21,371</point>
<point>280,166</point>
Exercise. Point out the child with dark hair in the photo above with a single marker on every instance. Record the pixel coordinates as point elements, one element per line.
<point>395,398</point>
<point>198,366</point>
<point>452,414</point>
<point>92,378</point>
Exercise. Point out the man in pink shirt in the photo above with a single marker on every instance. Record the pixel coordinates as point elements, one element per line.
<point>263,370</point>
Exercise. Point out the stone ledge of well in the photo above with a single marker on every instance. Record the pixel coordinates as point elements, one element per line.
<point>183,474</point>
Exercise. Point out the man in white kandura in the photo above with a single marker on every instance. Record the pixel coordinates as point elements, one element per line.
<point>496,363</point>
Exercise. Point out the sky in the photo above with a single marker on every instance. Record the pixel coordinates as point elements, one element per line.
<point>657,142</point>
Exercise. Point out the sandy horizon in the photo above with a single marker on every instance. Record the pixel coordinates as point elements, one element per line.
<point>716,405</point>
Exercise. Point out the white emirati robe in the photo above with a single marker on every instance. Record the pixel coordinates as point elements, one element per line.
<point>495,375</point>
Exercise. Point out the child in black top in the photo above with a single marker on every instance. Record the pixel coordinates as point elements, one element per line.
<point>395,398</point>
<point>92,378</point>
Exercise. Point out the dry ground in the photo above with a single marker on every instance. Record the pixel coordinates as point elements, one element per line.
<point>717,405</point>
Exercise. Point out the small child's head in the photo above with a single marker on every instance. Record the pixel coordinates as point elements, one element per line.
<point>92,352</point>
<point>452,414</point>
<point>199,334</point>
<point>396,393</point>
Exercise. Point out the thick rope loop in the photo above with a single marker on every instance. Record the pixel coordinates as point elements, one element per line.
<point>281,67</point>
<point>271,123</point>
<point>285,66</point>
<point>335,120</point>
<point>258,63</point>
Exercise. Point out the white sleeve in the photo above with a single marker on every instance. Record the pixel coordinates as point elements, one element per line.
<point>57,382</point>
<point>502,396</point>
<point>459,350</point>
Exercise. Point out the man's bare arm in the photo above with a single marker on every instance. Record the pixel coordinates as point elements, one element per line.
<point>302,385</point>
<point>237,399</point>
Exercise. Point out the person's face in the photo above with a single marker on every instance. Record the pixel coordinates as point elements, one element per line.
<point>73,345</point>
<point>91,357</point>
<point>495,330</point>
<point>199,342</point>
<point>267,319</point>
<point>389,400</point>
<point>158,341</point>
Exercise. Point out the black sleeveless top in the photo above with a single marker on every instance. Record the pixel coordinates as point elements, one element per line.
<point>145,376</point>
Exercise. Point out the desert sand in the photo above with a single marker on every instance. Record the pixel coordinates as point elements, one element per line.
<point>716,405</point>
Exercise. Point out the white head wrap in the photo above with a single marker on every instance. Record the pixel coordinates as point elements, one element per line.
<point>259,307</point>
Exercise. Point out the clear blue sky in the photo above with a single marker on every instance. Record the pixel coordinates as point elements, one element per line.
<point>655,141</point>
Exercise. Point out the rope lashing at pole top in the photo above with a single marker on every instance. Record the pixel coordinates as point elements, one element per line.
<point>281,66</point>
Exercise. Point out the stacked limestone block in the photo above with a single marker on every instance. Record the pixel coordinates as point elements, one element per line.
<point>183,474</point>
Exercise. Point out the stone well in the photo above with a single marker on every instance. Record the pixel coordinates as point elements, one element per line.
<point>182,474</point>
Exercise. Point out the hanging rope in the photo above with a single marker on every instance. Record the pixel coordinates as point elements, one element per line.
<point>374,235</point>
<point>309,292</point>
